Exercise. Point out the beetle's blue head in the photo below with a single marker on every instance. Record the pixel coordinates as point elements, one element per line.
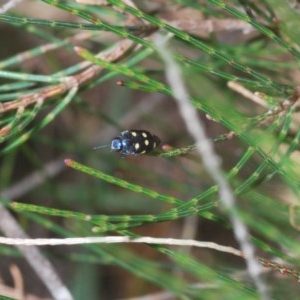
<point>116,144</point>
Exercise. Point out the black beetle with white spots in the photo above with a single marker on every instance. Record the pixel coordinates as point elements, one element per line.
<point>134,142</point>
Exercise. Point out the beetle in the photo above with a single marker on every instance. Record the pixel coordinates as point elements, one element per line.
<point>135,142</point>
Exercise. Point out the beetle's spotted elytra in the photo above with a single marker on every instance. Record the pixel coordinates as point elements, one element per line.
<point>134,142</point>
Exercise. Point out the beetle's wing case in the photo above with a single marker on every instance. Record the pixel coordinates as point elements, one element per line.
<point>143,141</point>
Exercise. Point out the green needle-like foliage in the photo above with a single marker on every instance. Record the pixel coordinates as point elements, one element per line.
<point>76,80</point>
